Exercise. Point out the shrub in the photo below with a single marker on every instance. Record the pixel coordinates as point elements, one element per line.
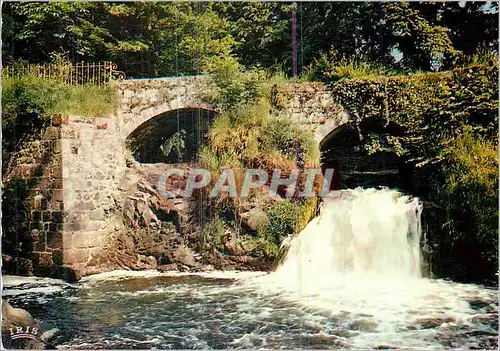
<point>27,101</point>
<point>286,217</point>
<point>214,230</point>
<point>448,142</point>
<point>251,133</point>
<point>470,192</point>
<point>87,100</point>
<point>331,68</point>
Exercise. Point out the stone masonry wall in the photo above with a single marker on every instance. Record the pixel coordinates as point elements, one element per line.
<point>72,171</point>
<point>33,203</point>
<point>93,164</point>
<point>141,100</point>
<point>312,105</point>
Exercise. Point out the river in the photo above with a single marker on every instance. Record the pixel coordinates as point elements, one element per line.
<point>351,279</point>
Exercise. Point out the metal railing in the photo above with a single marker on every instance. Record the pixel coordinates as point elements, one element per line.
<point>82,73</point>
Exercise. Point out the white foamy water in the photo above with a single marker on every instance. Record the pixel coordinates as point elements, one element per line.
<point>351,279</point>
<point>363,233</point>
<point>360,260</point>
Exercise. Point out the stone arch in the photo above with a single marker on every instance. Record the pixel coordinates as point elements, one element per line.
<point>190,124</point>
<point>341,148</point>
<point>144,99</point>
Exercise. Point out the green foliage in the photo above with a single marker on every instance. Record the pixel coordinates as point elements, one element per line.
<point>250,133</point>
<point>417,37</point>
<point>25,103</point>
<point>285,218</point>
<point>386,143</point>
<point>332,67</point>
<point>471,191</point>
<point>143,38</point>
<point>87,100</point>
<point>261,31</point>
<point>249,128</point>
<point>449,140</point>
<point>177,142</point>
<point>28,100</point>
<point>175,38</point>
<point>434,105</point>
<point>214,230</point>
<point>282,221</point>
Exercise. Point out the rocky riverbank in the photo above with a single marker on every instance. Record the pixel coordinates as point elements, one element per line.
<point>152,232</point>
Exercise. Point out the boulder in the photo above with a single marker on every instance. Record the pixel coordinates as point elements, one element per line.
<point>185,256</point>
<point>67,273</point>
<point>17,265</point>
<point>13,318</point>
<point>364,325</point>
<point>171,267</point>
<point>207,268</point>
<point>151,260</point>
<point>256,217</point>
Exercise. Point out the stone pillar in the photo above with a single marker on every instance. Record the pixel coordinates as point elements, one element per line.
<point>93,163</point>
<point>63,185</point>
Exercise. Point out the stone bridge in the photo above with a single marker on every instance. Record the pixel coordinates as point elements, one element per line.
<point>77,167</point>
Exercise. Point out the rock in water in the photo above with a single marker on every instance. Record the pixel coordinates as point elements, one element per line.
<point>15,318</point>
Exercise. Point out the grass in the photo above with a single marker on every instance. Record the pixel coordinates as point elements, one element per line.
<point>92,101</point>
<point>47,96</point>
<point>252,133</point>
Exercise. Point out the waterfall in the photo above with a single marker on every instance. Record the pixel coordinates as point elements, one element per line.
<point>362,234</point>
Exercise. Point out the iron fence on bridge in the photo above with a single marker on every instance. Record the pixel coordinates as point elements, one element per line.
<point>81,73</point>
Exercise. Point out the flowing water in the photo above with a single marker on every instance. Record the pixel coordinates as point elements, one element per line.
<point>351,279</point>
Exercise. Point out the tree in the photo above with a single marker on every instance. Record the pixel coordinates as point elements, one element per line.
<point>143,38</point>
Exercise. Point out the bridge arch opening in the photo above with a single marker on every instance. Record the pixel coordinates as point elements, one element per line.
<point>175,136</point>
<point>343,150</point>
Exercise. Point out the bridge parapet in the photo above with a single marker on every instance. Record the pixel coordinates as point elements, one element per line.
<point>143,99</point>
<point>312,105</point>
<point>75,202</point>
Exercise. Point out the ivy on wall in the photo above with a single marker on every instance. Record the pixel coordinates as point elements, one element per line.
<point>450,123</point>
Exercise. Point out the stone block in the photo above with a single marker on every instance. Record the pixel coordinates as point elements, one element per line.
<point>55,227</point>
<point>71,227</point>
<point>42,259</point>
<point>56,120</point>
<point>46,216</point>
<point>58,195</point>
<point>54,240</point>
<point>43,182</point>
<point>36,216</point>
<point>57,146</point>
<point>80,240</point>
<point>36,245</point>
<point>95,225</point>
<point>75,256</point>
<point>56,206</point>
<point>52,133</point>
<point>97,214</point>
<point>95,239</point>
<point>57,256</point>
<point>57,216</point>
<point>57,172</point>
<point>65,172</point>
<point>68,273</point>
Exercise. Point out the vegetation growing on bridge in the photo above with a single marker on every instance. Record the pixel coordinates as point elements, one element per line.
<point>250,133</point>
<point>449,147</point>
<point>449,119</point>
<point>29,99</point>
